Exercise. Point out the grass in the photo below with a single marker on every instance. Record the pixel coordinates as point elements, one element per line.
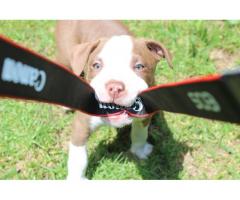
<point>34,136</point>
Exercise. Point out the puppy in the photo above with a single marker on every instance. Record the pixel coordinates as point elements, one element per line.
<point>118,66</point>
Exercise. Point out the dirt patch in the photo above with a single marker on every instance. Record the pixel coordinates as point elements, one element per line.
<point>200,164</point>
<point>190,166</point>
<point>223,59</point>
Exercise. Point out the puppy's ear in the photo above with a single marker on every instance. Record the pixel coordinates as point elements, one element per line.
<point>159,51</point>
<point>80,54</point>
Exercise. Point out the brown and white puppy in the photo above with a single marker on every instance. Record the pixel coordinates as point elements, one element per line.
<point>118,66</point>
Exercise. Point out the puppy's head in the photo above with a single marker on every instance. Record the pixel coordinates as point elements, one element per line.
<point>119,68</point>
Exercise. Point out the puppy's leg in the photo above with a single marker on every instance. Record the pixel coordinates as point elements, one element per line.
<point>139,135</point>
<point>77,160</point>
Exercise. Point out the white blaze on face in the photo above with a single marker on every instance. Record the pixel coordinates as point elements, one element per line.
<point>116,56</point>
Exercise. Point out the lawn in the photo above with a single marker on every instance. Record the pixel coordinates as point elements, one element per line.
<point>34,137</point>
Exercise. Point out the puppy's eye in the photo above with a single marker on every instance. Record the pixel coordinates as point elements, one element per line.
<point>139,67</point>
<point>96,66</point>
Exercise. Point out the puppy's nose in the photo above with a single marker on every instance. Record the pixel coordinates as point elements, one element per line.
<point>115,89</point>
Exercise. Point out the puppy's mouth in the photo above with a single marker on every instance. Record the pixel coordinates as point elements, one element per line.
<point>111,108</point>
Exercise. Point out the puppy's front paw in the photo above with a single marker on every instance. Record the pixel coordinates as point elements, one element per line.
<point>142,152</point>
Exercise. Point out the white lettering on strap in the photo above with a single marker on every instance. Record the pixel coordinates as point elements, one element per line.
<point>19,73</point>
<point>203,100</point>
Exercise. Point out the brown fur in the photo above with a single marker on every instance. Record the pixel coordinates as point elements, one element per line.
<point>80,129</point>
<point>149,57</point>
<point>72,33</point>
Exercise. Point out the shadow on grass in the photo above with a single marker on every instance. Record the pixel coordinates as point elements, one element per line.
<point>165,162</point>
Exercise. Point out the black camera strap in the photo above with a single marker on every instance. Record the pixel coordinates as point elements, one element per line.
<point>27,75</point>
